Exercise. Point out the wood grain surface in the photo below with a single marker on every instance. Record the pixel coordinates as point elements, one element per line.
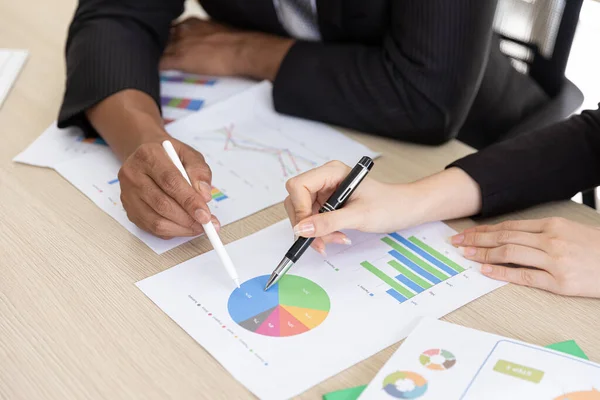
<point>72,323</point>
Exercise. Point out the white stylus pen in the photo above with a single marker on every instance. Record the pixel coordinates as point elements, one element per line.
<point>209,228</point>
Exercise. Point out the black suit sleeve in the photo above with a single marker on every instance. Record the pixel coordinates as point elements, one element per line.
<point>113,46</point>
<point>418,85</point>
<point>553,163</point>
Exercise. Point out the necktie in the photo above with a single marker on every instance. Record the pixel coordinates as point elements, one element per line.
<point>299,18</point>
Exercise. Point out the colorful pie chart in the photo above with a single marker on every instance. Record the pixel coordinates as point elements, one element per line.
<point>405,385</point>
<point>437,359</point>
<point>292,306</point>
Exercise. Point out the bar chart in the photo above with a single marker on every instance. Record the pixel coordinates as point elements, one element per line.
<point>182,103</point>
<point>419,267</point>
<point>217,195</point>
<point>188,78</point>
<point>97,140</point>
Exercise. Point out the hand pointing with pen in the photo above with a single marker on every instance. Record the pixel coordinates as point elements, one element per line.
<point>156,196</point>
<point>370,209</point>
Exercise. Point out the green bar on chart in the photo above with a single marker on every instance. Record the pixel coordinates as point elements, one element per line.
<point>402,250</point>
<point>409,274</point>
<point>174,102</point>
<point>437,254</point>
<point>390,281</point>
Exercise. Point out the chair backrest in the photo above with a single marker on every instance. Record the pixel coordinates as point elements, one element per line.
<point>537,35</point>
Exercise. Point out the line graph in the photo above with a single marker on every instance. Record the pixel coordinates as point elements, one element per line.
<point>290,162</point>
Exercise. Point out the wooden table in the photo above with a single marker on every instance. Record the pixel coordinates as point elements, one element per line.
<point>72,323</point>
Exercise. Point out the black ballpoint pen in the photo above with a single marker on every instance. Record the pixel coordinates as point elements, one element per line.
<point>335,201</point>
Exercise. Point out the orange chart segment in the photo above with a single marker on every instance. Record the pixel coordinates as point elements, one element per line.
<point>288,325</point>
<point>308,316</point>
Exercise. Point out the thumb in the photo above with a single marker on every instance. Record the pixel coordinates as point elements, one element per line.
<point>198,171</point>
<point>323,224</point>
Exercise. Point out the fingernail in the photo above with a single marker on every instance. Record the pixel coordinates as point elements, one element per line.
<point>457,239</point>
<point>306,228</point>
<point>469,251</point>
<point>347,241</point>
<point>217,225</point>
<point>205,189</point>
<point>322,252</point>
<point>486,269</point>
<point>202,216</point>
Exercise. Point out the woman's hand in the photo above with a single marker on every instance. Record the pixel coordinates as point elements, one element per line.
<point>566,254</point>
<point>372,208</point>
<point>157,197</point>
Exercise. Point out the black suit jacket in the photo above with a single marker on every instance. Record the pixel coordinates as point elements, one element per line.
<point>406,69</point>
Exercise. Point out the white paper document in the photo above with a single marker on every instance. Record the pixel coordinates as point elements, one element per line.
<point>440,360</point>
<point>181,95</point>
<point>250,148</point>
<point>55,146</point>
<point>11,63</point>
<point>326,314</point>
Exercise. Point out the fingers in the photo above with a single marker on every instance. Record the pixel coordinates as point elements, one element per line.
<point>166,207</point>
<point>509,254</point>
<point>150,221</point>
<point>521,276</point>
<point>320,225</point>
<point>319,244</point>
<point>532,226</point>
<point>498,238</point>
<point>198,171</point>
<point>172,182</point>
<point>304,189</point>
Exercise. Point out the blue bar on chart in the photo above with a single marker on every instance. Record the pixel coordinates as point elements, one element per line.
<point>411,285</point>
<point>424,254</point>
<point>112,182</point>
<point>396,295</point>
<point>414,267</point>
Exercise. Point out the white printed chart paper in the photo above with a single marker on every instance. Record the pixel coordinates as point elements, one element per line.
<point>55,146</point>
<point>11,63</point>
<point>326,314</point>
<point>440,360</point>
<point>250,148</point>
<point>181,95</point>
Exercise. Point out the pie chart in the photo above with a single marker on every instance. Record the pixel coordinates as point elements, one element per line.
<point>292,306</point>
<point>437,359</point>
<point>405,385</point>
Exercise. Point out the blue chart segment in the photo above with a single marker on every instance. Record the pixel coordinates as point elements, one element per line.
<point>419,265</point>
<point>253,299</point>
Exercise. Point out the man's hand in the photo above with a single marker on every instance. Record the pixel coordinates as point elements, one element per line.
<point>157,197</point>
<point>209,48</point>
<point>565,254</point>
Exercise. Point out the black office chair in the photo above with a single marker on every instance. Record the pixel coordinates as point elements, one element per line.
<point>537,35</point>
<point>540,46</point>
